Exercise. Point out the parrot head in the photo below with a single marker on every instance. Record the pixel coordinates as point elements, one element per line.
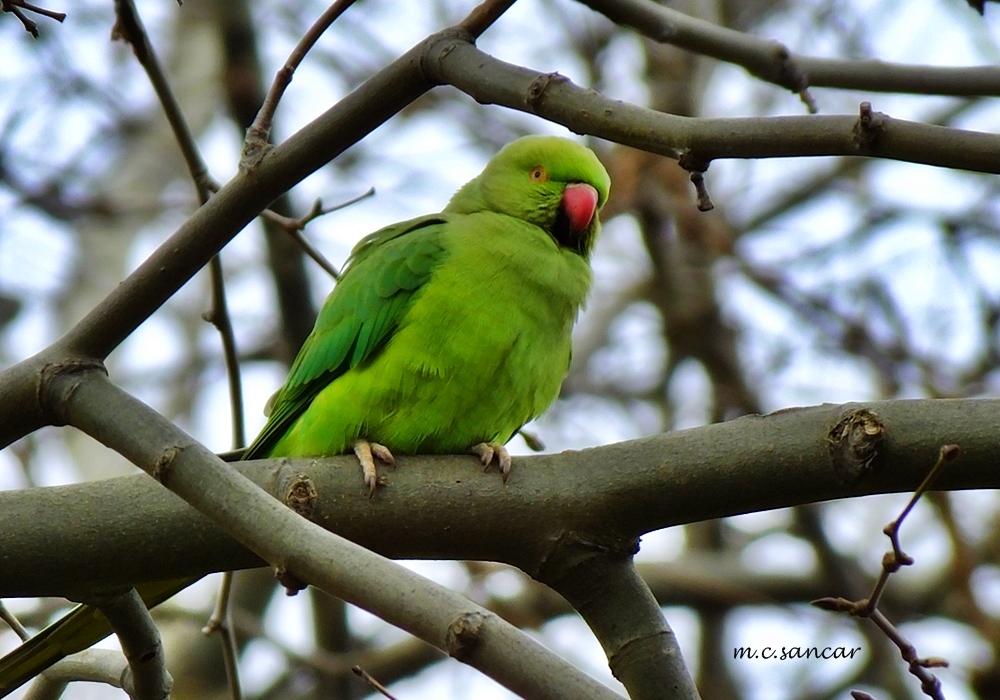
<point>551,182</point>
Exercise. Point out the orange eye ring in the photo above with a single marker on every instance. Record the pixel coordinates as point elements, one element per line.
<point>538,174</point>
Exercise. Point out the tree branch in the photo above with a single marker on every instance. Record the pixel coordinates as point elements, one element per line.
<point>443,507</point>
<point>695,142</point>
<point>96,665</point>
<point>140,640</point>
<point>600,581</point>
<point>259,131</point>
<point>773,62</point>
<point>129,26</point>
<point>299,549</point>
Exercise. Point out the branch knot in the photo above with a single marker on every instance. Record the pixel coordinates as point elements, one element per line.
<point>464,634</point>
<point>576,551</point>
<point>164,461</point>
<point>853,444</point>
<point>301,495</point>
<point>437,46</point>
<point>539,86</point>
<point>869,127</point>
<point>54,395</point>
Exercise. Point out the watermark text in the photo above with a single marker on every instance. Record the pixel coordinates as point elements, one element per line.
<point>786,653</point>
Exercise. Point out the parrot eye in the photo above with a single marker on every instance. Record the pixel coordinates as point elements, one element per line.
<point>538,174</point>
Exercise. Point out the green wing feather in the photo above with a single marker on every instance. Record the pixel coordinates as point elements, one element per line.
<point>384,271</point>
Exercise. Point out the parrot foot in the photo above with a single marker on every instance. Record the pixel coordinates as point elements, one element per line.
<point>487,451</point>
<point>366,453</point>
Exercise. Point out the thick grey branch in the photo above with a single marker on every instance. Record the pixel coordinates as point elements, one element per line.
<point>301,549</point>
<point>696,141</point>
<point>602,584</point>
<point>445,508</point>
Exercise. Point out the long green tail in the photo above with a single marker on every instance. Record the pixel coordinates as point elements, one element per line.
<point>81,628</point>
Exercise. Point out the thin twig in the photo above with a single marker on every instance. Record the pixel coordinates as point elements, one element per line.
<point>891,563</point>
<point>294,228</point>
<point>482,16</point>
<point>219,317</point>
<point>367,678</point>
<point>260,130</point>
<point>129,27</point>
<point>12,621</point>
<point>221,622</point>
<point>14,7</point>
<point>313,252</point>
<point>897,558</point>
<point>947,453</point>
<point>929,683</point>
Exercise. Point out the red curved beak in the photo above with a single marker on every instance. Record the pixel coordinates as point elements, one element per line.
<point>579,202</point>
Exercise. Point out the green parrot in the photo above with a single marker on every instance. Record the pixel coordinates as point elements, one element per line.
<point>445,334</point>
